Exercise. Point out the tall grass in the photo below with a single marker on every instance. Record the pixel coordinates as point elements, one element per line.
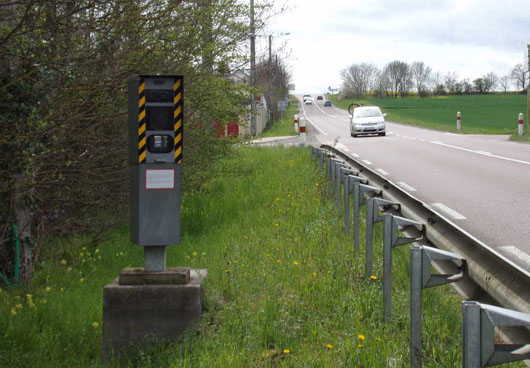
<point>481,114</point>
<point>285,288</point>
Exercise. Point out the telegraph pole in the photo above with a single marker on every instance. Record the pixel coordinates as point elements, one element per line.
<point>270,78</point>
<point>528,92</point>
<point>252,69</point>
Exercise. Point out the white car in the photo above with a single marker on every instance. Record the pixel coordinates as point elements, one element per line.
<point>308,101</point>
<point>367,120</point>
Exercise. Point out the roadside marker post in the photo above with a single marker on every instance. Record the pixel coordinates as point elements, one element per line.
<point>458,121</point>
<point>296,123</point>
<point>302,132</point>
<point>520,125</point>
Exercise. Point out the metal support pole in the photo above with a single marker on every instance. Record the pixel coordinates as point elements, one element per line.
<point>388,232</point>
<point>373,217</point>
<point>416,271</point>
<point>470,337</point>
<point>338,173</point>
<point>155,258</point>
<point>356,206</point>
<point>347,229</point>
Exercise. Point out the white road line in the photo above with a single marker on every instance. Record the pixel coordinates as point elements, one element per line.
<point>405,186</point>
<point>414,139</point>
<point>382,172</point>
<point>480,153</point>
<point>483,152</point>
<point>448,211</point>
<point>355,155</point>
<point>347,150</point>
<point>367,162</point>
<point>450,133</point>
<point>517,253</point>
<point>390,132</point>
<point>422,140</point>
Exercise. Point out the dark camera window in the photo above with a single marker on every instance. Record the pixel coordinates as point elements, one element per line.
<point>159,95</point>
<point>159,118</point>
<point>160,143</point>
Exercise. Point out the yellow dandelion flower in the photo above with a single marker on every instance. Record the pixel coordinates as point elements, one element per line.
<point>96,251</point>
<point>194,253</point>
<point>276,224</point>
<point>82,254</point>
<point>13,311</point>
<point>81,280</point>
<point>278,261</point>
<point>361,337</point>
<point>227,270</point>
<point>360,346</point>
<point>329,346</point>
<point>316,184</point>
<point>314,274</point>
<point>373,277</point>
<point>295,263</point>
<point>69,269</point>
<point>286,351</point>
<point>377,339</point>
<point>48,289</point>
<point>95,324</point>
<point>63,262</point>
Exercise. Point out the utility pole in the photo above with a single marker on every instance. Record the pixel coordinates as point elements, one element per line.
<point>528,92</point>
<point>252,69</point>
<point>270,78</point>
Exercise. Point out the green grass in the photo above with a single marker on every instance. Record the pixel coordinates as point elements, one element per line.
<point>284,126</point>
<point>284,289</point>
<point>481,114</point>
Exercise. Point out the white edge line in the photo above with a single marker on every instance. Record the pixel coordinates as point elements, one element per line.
<point>479,153</point>
<point>367,162</point>
<point>382,172</point>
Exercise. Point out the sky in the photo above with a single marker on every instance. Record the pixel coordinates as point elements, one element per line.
<point>470,37</point>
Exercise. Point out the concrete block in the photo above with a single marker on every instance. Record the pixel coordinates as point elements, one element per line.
<point>136,314</point>
<point>170,276</point>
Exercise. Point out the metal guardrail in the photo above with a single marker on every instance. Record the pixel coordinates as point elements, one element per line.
<point>490,277</point>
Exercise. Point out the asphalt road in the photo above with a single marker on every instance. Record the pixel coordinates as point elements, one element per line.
<point>481,183</point>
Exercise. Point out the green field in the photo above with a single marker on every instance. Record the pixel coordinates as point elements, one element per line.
<point>481,114</point>
<point>284,289</point>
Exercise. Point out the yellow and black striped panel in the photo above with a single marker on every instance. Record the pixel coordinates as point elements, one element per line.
<point>177,115</point>
<point>141,122</point>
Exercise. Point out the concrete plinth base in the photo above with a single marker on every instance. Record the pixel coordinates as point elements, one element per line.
<point>134,314</point>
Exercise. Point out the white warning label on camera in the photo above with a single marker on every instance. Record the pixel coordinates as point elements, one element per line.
<point>160,179</point>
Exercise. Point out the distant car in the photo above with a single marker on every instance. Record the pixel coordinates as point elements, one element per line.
<point>367,120</point>
<point>320,98</point>
<point>308,101</point>
<point>327,104</point>
<point>306,97</point>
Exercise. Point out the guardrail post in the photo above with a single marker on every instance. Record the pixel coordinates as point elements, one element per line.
<point>373,217</point>
<point>520,125</point>
<point>391,239</point>
<point>347,190</point>
<point>478,335</point>
<point>359,190</point>
<point>338,187</point>
<point>421,258</point>
<point>354,180</point>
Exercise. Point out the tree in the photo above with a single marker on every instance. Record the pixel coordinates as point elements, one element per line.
<point>504,82</point>
<point>450,80</point>
<point>420,75</point>
<point>358,79</point>
<point>399,75</point>
<point>519,76</point>
<point>479,85</point>
<point>490,81</point>
<point>63,137</point>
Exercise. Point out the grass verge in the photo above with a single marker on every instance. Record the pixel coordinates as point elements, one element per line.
<point>285,288</point>
<point>481,114</point>
<point>284,126</point>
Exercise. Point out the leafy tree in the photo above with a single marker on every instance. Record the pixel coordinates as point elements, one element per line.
<point>519,75</point>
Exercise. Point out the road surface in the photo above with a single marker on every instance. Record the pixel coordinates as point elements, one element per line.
<point>480,182</point>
